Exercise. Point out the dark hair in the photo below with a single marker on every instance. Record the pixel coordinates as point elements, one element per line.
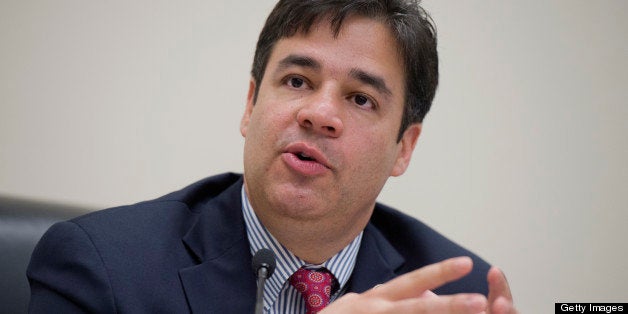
<point>412,27</point>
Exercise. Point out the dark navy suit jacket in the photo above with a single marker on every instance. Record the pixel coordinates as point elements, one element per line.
<point>188,252</point>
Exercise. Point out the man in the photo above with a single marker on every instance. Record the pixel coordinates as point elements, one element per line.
<point>338,93</point>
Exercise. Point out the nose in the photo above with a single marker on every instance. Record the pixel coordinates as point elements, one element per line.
<point>321,115</point>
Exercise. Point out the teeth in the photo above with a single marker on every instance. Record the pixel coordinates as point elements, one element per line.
<point>303,156</point>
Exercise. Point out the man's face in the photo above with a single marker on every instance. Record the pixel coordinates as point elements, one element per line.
<point>321,139</point>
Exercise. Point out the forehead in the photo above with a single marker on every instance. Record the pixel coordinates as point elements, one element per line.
<point>360,43</point>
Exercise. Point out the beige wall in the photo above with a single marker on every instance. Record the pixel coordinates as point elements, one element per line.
<point>523,158</point>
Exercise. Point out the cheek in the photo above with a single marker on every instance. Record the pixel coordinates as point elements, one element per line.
<point>266,126</point>
<point>369,167</point>
<point>372,155</point>
<point>275,112</point>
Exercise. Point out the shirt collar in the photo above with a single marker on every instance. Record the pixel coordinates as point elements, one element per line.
<point>340,265</point>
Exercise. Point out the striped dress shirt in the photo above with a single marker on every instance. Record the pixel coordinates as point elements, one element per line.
<point>279,296</point>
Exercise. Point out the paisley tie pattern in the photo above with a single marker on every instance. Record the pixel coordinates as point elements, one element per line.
<point>315,287</point>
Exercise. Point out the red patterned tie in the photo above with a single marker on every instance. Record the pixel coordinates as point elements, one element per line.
<point>315,287</point>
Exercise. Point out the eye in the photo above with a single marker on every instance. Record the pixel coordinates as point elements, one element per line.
<point>295,82</point>
<point>363,101</point>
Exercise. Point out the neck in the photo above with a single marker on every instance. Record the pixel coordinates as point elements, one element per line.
<point>312,234</point>
<point>313,242</point>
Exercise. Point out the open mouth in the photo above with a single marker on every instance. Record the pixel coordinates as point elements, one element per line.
<point>304,157</point>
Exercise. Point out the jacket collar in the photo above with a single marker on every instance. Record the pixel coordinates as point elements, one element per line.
<point>223,281</point>
<point>377,261</point>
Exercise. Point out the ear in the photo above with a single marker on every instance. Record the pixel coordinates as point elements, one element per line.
<point>407,144</point>
<point>246,117</point>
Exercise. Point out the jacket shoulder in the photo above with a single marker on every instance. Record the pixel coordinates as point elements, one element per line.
<point>421,245</point>
<point>107,259</point>
<point>173,206</point>
<point>201,192</point>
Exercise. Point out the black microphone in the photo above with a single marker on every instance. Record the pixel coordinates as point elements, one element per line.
<point>263,267</point>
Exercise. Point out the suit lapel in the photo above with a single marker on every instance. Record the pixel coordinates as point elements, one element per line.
<point>376,263</point>
<point>222,282</point>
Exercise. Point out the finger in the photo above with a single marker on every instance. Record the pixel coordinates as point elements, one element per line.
<point>425,294</point>
<point>497,285</point>
<point>502,306</point>
<point>428,294</point>
<point>361,303</point>
<point>499,296</point>
<point>413,284</point>
<point>458,303</point>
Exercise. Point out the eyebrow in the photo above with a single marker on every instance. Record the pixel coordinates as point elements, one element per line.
<point>298,60</point>
<point>371,79</point>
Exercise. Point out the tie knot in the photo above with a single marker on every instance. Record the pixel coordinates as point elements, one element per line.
<point>315,286</point>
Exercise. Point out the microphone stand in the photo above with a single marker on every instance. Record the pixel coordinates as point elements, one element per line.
<point>263,264</point>
<point>262,275</point>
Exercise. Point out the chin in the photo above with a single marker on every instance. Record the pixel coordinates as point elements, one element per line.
<point>301,205</point>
